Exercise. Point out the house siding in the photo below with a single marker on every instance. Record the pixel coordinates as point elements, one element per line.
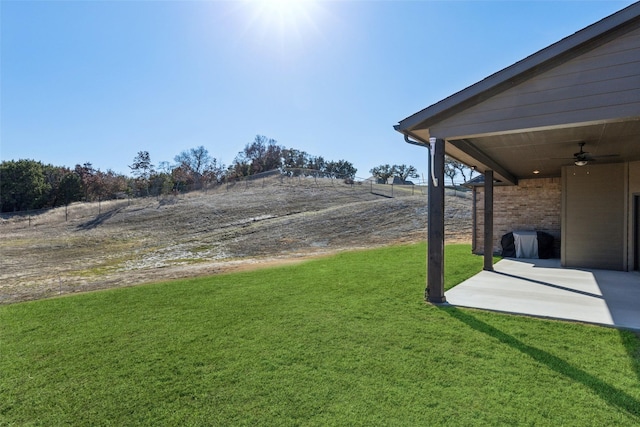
<point>601,84</point>
<point>634,191</point>
<point>534,204</point>
<point>594,216</point>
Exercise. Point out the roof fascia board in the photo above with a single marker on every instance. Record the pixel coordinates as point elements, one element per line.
<point>542,60</point>
<point>487,161</point>
<point>467,147</point>
<point>419,141</point>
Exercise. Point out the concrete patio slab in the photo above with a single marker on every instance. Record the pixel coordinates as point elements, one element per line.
<point>542,288</point>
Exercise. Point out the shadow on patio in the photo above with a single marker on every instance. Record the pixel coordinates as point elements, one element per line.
<point>542,288</point>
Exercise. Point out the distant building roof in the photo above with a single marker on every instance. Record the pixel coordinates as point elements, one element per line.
<point>475,182</point>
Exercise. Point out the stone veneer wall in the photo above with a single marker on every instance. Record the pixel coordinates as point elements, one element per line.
<point>534,204</point>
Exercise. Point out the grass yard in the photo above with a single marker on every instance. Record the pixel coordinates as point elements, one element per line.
<point>343,340</point>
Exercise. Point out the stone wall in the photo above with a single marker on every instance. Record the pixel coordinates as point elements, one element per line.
<point>534,204</point>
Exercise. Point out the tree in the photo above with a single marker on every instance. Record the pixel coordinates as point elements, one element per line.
<point>262,155</point>
<point>70,188</point>
<point>403,172</point>
<point>142,169</point>
<point>453,167</point>
<point>98,185</point>
<point>85,172</point>
<point>382,172</point>
<point>113,184</point>
<point>182,177</point>
<point>161,183</point>
<point>198,167</point>
<point>22,185</point>
<point>195,161</point>
<point>165,167</point>
<point>142,166</point>
<point>316,163</point>
<point>214,171</point>
<point>450,169</point>
<point>340,169</point>
<point>56,177</point>
<point>27,184</point>
<point>463,169</point>
<point>66,186</point>
<point>293,158</point>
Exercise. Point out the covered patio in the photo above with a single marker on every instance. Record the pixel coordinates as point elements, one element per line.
<point>542,288</point>
<point>556,137</point>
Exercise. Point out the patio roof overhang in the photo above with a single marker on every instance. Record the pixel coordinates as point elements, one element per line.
<point>532,116</point>
<point>518,154</point>
<point>516,139</point>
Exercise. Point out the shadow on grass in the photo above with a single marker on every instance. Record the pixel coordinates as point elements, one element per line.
<point>630,341</point>
<point>98,220</point>
<point>607,392</point>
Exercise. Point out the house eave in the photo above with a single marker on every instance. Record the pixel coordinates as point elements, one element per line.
<point>573,45</point>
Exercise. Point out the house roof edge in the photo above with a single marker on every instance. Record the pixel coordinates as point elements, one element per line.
<point>485,87</point>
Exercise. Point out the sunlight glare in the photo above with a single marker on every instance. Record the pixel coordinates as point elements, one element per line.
<point>284,24</point>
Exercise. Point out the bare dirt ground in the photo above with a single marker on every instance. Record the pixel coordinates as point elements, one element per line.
<point>266,222</point>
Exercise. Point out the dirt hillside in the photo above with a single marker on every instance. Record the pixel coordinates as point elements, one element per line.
<point>269,221</point>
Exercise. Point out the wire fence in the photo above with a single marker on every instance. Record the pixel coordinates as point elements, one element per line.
<point>101,209</point>
<point>206,209</point>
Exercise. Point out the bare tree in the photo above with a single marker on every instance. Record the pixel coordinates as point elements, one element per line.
<point>464,169</point>
<point>214,171</point>
<point>450,169</point>
<point>453,167</point>
<point>194,162</point>
<point>261,155</point>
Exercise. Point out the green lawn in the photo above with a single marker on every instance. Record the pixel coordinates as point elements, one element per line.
<point>344,340</point>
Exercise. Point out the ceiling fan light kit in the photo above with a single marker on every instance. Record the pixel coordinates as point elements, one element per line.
<point>582,158</point>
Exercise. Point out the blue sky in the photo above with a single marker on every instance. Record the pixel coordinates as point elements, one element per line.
<point>98,81</point>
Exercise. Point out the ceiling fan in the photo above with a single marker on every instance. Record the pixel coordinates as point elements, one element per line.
<point>581,158</point>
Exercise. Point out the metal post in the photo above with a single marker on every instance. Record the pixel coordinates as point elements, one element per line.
<point>474,219</point>
<point>488,220</point>
<point>435,242</point>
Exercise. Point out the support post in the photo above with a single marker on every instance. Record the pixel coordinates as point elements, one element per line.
<point>488,220</point>
<point>435,239</point>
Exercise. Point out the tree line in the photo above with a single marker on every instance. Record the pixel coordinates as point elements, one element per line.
<point>400,173</point>
<point>30,184</point>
